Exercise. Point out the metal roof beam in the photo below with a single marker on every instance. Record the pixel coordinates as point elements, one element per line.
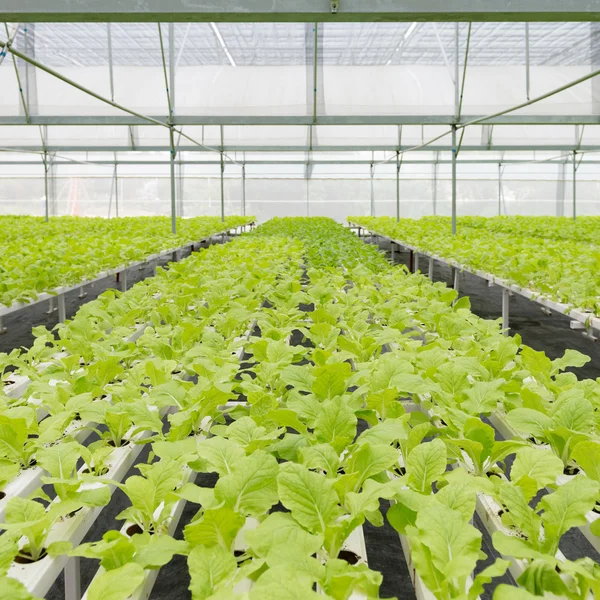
<point>186,120</point>
<point>364,148</point>
<point>294,11</point>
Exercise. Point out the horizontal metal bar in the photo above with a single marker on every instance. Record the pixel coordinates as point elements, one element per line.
<point>181,120</point>
<point>83,147</point>
<point>492,161</point>
<point>292,10</point>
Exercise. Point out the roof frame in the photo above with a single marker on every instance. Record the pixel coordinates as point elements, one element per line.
<point>295,11</point>
<point>324,120</point>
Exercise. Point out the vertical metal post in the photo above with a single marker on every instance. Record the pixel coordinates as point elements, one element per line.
<point>416,261</point>
<point>173,195</point>
<point>456,273</point>
<point>46,192</point>
<point>505,310</point>
<point>222,188</point>
<point>123,278</point>
<point>397,186</point>
<point>431,268</point>
<point>527,74</point>
<point>73,579</point>
<point>372,191</point>
<point>499,189</point>
<point>456,72</point>
<point>172,66</point>
<point>62,313</point>
<point>222,179</point>
<point>307,193</point>
<point>574,185</point>
<point>110,62</point>
<point>454,179</point>
<point>116,187</point>
<point>434,191</point>
<point>243,189</point>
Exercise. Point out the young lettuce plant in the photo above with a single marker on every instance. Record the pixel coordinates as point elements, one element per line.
<point>30,519</point>
<point>60,462</point>
<point>535,529</point>
<point>152,495</point>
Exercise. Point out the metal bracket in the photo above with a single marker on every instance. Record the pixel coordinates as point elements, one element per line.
<point>335,4</point>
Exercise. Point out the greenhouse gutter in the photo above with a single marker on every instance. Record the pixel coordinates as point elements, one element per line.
<point>580,315</point>
<point>294,11</point>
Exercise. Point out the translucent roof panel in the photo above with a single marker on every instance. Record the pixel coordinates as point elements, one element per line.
<point>255,44</point>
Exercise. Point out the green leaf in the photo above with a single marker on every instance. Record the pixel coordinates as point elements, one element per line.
<point>117,584</point>
<point>158,551</point>
<point>320,456</point>
<point>14,590</point>
<point>587,455</point>
<point>509,592</point>
<point>309,496</point>
<point>210,569</point>
<point>330,380</point>
<point>218,526</point>
<point>336,425</point>
<point>571,358</point>
<point>532,466</point>
<point>497,569</point>
<point>566,507</point>
<point>299,377</point>
<point>285,583</point>
<point>370,460</point>
<point>281,528</point>
<point>251,489</point>
<point>529,421</point>
<point>220,454</point>
<point>510,545</point>
<point>425,465</point>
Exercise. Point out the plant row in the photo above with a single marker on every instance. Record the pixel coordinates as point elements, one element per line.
<point>560,270</point>
<point>39,256</point>
<point>582,229</point>
<point>354,384</point>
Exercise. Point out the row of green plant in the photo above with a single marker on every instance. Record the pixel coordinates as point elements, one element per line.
<point>582,229</point>
<point>561,270</point>
<point>327,429</point>
<point>38,257</point>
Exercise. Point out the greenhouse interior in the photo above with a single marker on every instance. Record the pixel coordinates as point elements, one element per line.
<point>299,299</point>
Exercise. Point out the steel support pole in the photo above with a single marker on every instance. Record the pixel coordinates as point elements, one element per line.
<point>111,77</point>
<point>456,71</point>
<point>499,189</point>
<point>416,262</point>
<point>73,579</point>
<point>397,186</point>
<point>431,268</point>
<point>527,72</point>
<point>243,189</point>
<point>574,185</point>
<point>372,191</point>
<point>46,187</point>
<point>173,195</point>
<point>116,187</point>
<point>222,188</point>
<point>123,280</point>
<point>434,190</point>
<point>456,273</point>
<point>62,313</point>
<point>505,310</point>
<point>454,179</point>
